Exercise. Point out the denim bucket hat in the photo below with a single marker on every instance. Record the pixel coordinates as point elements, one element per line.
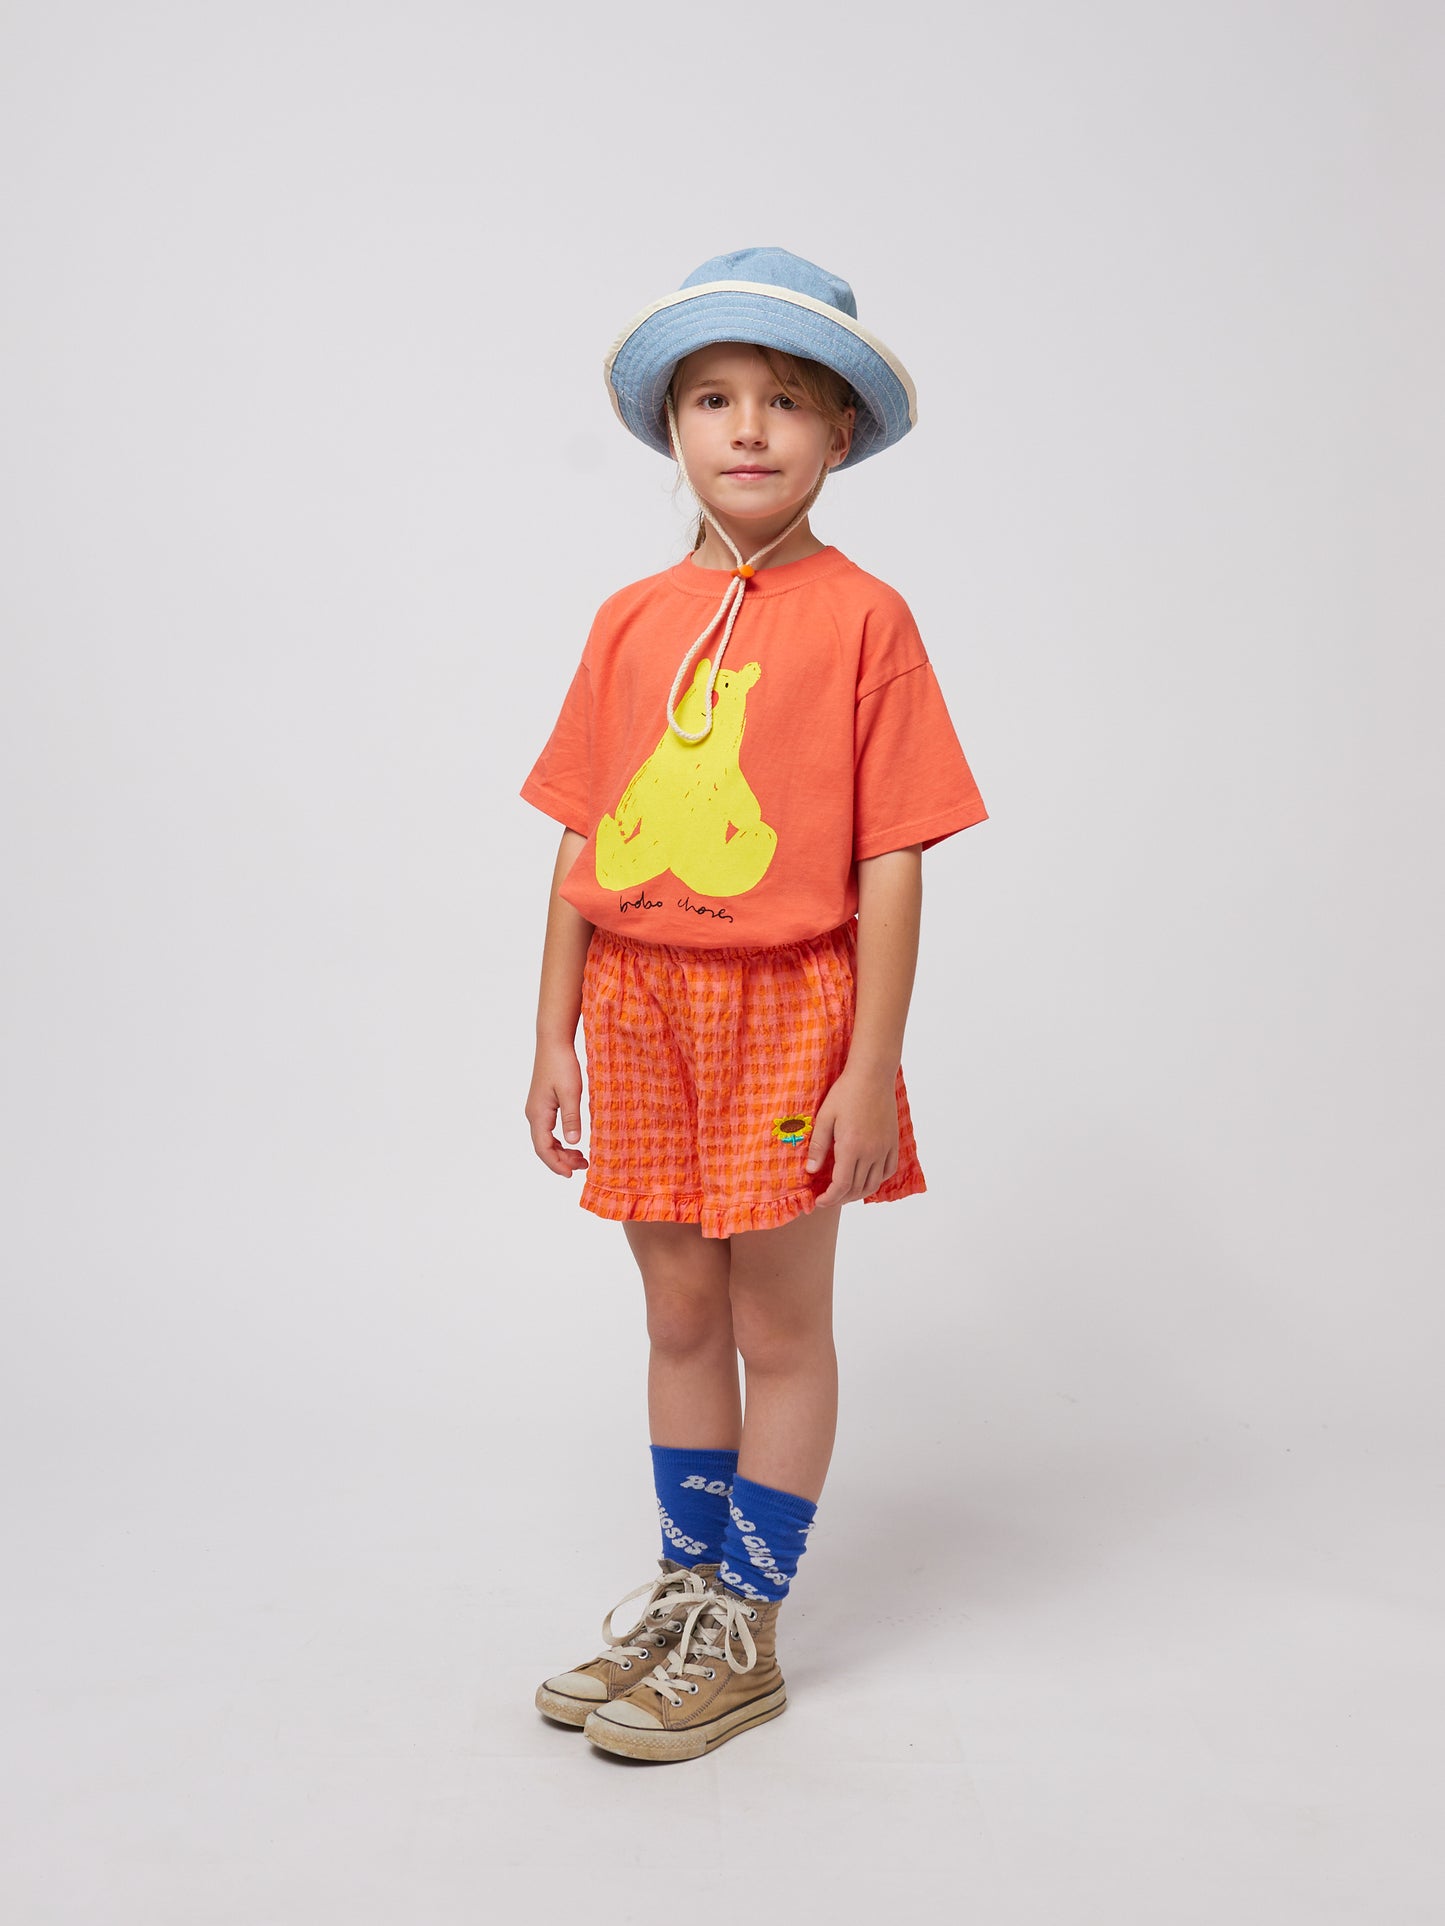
<point>773,299</point>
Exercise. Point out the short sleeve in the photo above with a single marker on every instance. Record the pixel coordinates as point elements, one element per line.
<point>560,784</point>
<point>911,782</point>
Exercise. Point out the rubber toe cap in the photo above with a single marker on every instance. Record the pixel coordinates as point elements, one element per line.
<point>624,1712</point>
<point>578,1685</point>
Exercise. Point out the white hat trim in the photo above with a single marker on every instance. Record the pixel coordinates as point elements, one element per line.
<point>776,294</point>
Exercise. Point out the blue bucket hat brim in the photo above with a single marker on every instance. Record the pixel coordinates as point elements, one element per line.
<point>641,361</point>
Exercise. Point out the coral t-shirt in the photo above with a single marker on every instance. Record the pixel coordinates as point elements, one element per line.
<point>830,743</point>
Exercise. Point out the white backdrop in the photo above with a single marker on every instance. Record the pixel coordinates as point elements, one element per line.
<point>323,1401</point>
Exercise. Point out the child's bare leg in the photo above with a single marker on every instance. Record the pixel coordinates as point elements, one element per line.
<point>782,1320</point>
<point>693,1399</point>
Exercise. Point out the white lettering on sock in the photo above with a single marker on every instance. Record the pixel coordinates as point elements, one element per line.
<point>738,1582</point>
<point>694,1547</point>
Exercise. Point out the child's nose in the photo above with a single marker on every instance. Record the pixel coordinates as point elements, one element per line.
<point>748,423</point>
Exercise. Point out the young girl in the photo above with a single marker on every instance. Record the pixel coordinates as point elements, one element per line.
<point>749,763</point>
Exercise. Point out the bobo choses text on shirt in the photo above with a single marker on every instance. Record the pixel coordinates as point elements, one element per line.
<point>830,743</point>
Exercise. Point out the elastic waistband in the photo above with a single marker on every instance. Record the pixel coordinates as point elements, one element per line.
<point>845,935</point>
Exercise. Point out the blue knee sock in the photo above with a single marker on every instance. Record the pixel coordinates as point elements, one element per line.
<point>692,1501</point>
<point>766,1535</point>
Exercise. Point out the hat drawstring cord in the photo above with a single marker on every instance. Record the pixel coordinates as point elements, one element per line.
<point>732,595</point>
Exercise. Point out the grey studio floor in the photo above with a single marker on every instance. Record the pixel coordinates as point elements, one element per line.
<point>284,1677</point>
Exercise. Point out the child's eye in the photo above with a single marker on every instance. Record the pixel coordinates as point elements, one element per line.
<point>787,400</point>
<point>706,401</point>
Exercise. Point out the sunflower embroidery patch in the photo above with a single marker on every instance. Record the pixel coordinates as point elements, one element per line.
<point>792,1130</point>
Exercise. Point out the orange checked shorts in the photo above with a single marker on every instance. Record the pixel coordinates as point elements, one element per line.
<point>705,1069</point>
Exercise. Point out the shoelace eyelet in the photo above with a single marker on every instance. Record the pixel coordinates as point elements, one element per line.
<point>626,1664</point>
<point>710,1672</point>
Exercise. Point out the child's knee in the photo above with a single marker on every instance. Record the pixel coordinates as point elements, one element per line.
<point>774,1336</point>
<point>683,1320</point>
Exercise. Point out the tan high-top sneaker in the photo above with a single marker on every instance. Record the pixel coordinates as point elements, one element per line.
<point>570,1696</point>
<point>719,1679</point>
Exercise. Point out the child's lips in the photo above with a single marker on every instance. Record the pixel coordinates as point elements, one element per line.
<point>750,474</point>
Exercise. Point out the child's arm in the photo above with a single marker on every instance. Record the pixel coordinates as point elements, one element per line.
<point>859,1115</point>
<point>556,1073</point>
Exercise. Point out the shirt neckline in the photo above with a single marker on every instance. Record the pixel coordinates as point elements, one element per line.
<point>709,583</point>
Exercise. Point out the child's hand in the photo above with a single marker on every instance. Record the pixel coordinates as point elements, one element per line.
<point>858,1119</point>
<point>556,1087</point>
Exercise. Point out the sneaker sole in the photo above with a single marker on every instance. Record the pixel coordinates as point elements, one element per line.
<point>659,1746</point>
<point>564,1710</point>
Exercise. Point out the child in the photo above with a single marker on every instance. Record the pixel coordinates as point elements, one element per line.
<point>728,810</point>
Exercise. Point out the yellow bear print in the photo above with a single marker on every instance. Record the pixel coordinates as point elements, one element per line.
<point>689,808</point>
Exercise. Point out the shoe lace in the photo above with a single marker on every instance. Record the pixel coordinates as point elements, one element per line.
<point>713,1624</point>
<point>665,1596</point>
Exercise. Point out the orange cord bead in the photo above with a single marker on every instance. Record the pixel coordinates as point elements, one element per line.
<point>745,572</point>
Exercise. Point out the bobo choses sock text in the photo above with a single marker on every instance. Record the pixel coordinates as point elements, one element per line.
<point>766,1535</point>
<point>692,1501</point>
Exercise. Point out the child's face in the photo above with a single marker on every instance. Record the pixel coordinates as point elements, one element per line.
<point>753,451</point>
